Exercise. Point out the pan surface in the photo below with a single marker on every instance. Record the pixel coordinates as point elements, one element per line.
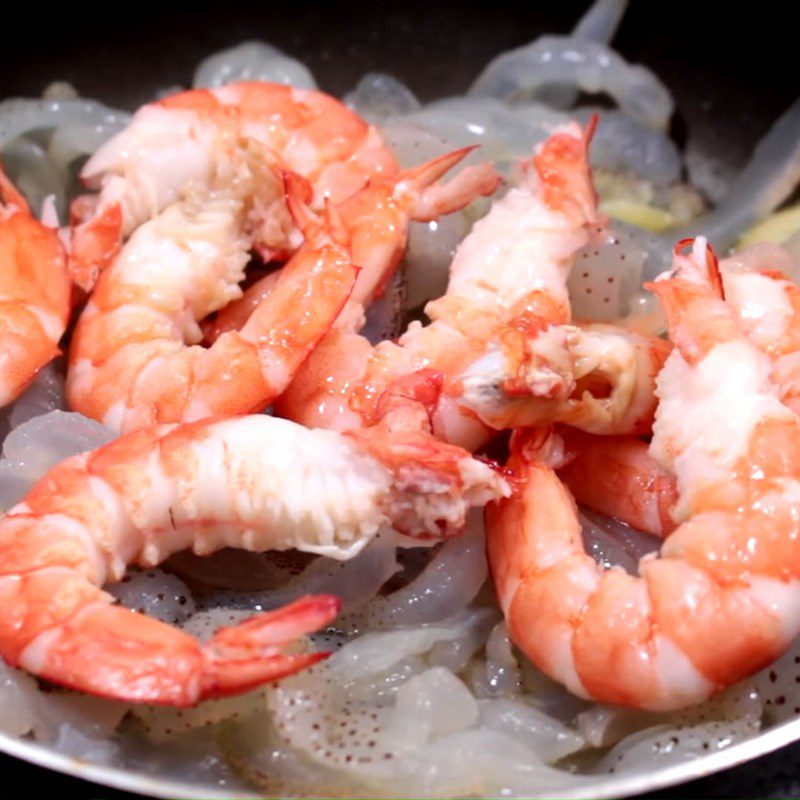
<point>730,77</point>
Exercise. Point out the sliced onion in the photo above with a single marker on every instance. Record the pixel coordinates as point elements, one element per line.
<point>160,724</point>
<point>46,393</point>
<point>504,133</point>
<point>21,116</point>
<point>252,61</point>
<point>613,543</point>
<point>689,734</point>
<point>377,651</point>
<point>550,739</point>
<point>41,443</point>
<point>600,22</point>
<point>34,174</point>
<point>425,739</point>
<point>70,143</point>
<point>446,586</point>
<point>502,668</point>
<point>49,716</point>
<point>455,653</point>
<point>378,97</point>
<point>354,582</point>
<point>770,177</point>
<point>588,66</point>
<point>623,144</point>
<point>413,144</point>
<point>156,594</point>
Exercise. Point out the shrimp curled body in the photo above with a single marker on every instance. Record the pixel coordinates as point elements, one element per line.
<point>255,483</point>
<point>723,599</point>
<point>34,293</point>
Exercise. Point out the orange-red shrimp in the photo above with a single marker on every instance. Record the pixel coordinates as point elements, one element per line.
<point>256,483</point>
<point>767,305</point>
<point>34,293</point>
<point>723,599</point>
<point>500,335</point>
<point>135,359</point>
<point>186,139</point>
<point>376,219</point>
<point>617,476</point>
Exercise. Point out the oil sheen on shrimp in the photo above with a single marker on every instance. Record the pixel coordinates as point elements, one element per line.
<point>256,483</point>
<point>723,599</point>
<point>617,475</point>
<point>135,358</point>
<point>767,305</point>
<point>376,221</point>
<point>186,139</point>
<point>501,329</point>
<point>34,293</point>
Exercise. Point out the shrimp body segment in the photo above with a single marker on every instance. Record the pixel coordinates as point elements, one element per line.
<point>510,255</point>
<point>34,293</point>
<point>617,476</point>
<point>135,358</point>
<point>184,140</point>
<point>376,221</point>
<point>255,483</point>
<point>723,599</point>
<point>501,335</point>
<point>767,305</point>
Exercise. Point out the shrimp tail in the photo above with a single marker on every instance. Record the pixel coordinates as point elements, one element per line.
<point>562,165</point>
<point>294,190</point>
<point>246,655</point>
<point>434,200</point>
<point>691,296</point>
<point>94,245</point>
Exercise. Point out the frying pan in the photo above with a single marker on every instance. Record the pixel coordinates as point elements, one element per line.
<point>731,67</point>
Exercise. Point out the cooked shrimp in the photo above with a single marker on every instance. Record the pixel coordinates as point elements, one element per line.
<point>134,359</point>
<point>605,382</point>
<point>505,309</point>
<point>723,600</point>
<point>185,139</point>
<point>34,293</point>
<point>256,483</point>
<point>617,476</point>
<point>767,305</point>
<point>376,219</point>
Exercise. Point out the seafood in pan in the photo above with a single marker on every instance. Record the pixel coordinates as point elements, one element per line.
<point>368,424</point>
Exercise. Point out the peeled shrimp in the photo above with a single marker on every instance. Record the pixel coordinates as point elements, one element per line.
<point>723,599</point>
<point>376,220</point>
<point>617,476</point>
<point>135,359</point>
<point>508,295</point>
<point>767,306</point>
<point>255,483</point>
<point>186,139</point>
<point>34,293</point>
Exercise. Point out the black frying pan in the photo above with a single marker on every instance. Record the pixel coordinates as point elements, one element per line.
<point>732,67</point>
